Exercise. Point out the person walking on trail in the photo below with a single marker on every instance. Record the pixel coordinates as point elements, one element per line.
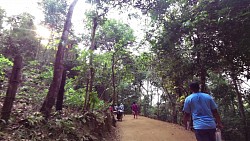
<point>135,109</point>
<point>122,108</point>
<point>203,110</point>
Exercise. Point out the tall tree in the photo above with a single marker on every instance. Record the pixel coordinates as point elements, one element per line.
<point>96,19</point>
<point>115,37</point>
<point>58,65</point>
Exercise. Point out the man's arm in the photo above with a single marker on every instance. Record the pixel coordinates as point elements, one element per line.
<point>217,118</point>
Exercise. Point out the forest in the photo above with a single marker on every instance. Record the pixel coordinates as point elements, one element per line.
<point>48,87</point>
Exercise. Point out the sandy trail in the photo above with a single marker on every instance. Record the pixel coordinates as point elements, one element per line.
<point>146,129</point>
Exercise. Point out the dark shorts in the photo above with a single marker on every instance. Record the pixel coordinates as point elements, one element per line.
<point>205,134</point>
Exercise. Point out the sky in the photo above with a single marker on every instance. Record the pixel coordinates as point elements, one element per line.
<point>15,7</point>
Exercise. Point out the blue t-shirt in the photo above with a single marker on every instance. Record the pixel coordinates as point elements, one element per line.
<point>200,105</point>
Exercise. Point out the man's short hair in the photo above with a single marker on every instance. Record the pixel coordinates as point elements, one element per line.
<point>194,86</point>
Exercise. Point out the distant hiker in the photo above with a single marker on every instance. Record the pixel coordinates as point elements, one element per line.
<point>120,111</point>
<point>111,108</point>
<point>203,110</point>
<point>135,109</point>
<point>115,107</point>
<point>122,108</point>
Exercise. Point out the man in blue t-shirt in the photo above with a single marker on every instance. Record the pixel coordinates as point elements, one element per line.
<point>203,110</point>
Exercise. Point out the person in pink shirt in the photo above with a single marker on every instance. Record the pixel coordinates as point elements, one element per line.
<point>135,109</point>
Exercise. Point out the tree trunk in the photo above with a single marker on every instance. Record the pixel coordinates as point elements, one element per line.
<point>174,113</point>
<point>87,95</point>
<point>151,95</point>
<point>12,88</point>
<point>91,70</point>
<point>49,101</point>
<point>113,80</point>
<point>173,106</point>
<point>158,103</point>
<point>203,74</point>
<point>147,108</point>
<point>241,106</point>
<point>60,96</point>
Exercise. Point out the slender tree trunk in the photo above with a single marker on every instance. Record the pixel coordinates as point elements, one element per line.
<point>203,74</point>
<point>174,113</point>
<point>140,94</point>
<point>49,101</point>
<point>158,104</point>
<point>173,107</point>
<point>60,96</point>
<point>233,105</point>
<point>147,109</point>
<point>241,106</point>
<point>12,88</point>
<point>91,70</point>
<point>113,80</point>
<point>87,95</point>
<point>151,95</point>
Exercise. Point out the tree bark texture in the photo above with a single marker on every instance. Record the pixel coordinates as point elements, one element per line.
<point>12,88</point>
<point>59,102</point>
<point>49,101</point>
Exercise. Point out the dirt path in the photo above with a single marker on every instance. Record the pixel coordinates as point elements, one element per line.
<point>146,129</point>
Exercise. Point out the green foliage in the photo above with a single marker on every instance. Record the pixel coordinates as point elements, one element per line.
<point>181,99</point>
<point>225,96</point>
<point>4,64</point>
<point>47,74</point>
<point>234,128</point>
<point>94,98</point>
<point>76,97</point>
<point>69,125</point>
<point>42,74</point>
<point>82,58</point>
<point>73,97</point>
<point>55,13</point>
<point>96,103</point>
<point>34,119</point>
<point>66,124</point>
<point>34,85</point>
<point>20,38</point>
<point>117,34</point>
